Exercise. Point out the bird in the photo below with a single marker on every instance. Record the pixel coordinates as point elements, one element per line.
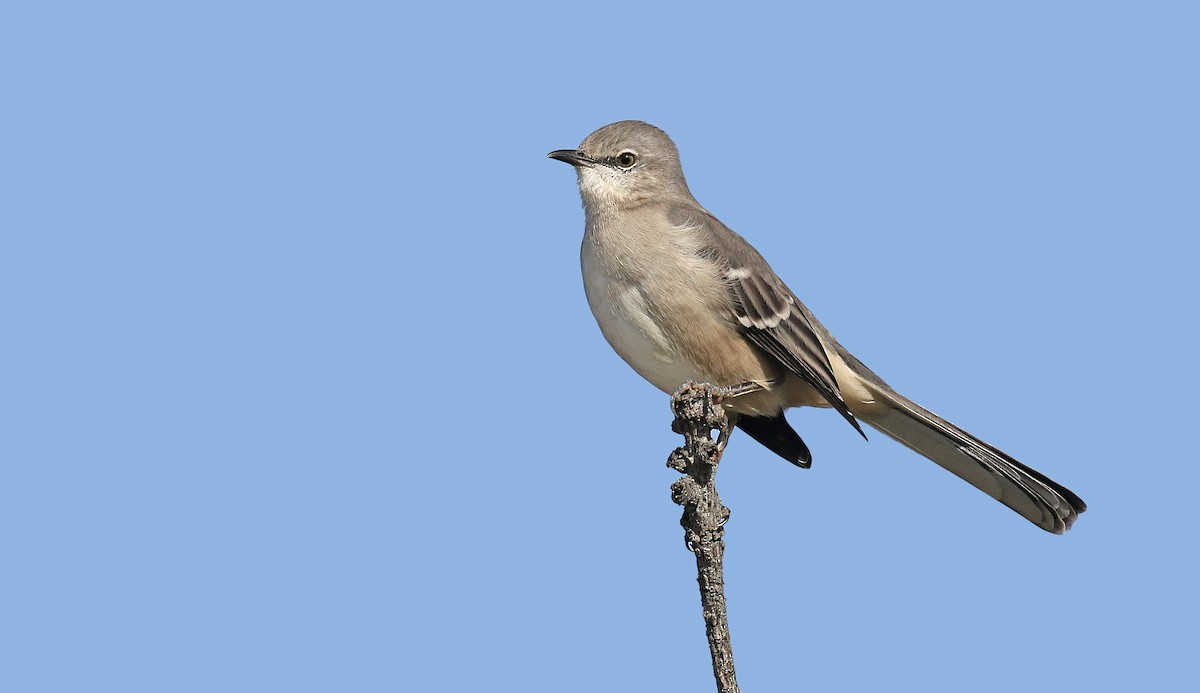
<point>683,298</point>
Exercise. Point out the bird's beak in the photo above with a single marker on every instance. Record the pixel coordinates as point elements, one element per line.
<point>571,156</point>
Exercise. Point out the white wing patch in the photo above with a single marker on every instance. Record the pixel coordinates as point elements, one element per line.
<point>762,308</point>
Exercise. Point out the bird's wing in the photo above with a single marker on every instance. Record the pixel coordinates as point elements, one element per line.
<point>769,313</point>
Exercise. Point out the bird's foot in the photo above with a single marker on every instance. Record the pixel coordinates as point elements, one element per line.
<point>733,391</point>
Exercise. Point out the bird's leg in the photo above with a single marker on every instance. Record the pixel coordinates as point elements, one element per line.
<point>722,393</point>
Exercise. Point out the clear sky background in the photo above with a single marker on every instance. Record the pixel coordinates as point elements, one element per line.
<point>300,392</point>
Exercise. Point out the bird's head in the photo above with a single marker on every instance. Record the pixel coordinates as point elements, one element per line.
<point>626,164</point>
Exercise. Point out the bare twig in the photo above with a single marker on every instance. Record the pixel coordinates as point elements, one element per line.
<point>696,417</point>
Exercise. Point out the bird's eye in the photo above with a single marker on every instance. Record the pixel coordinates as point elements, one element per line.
<point>626,159</point>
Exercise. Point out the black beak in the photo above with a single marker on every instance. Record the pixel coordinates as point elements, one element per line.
<point>571,156</point>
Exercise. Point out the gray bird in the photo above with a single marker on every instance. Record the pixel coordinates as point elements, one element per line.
<point>681,297</point>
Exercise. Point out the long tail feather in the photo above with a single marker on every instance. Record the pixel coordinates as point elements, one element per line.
<point>1033,495</point>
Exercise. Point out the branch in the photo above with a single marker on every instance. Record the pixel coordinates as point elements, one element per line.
<point>697,414</point>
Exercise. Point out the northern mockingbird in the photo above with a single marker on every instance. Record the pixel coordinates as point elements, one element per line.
<point>681,297</point>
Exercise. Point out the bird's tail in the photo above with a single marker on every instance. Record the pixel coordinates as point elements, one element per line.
<point>1036,497</point>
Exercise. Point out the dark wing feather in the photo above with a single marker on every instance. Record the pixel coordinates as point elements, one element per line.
<point>769,313</point>
<point>770,317</point>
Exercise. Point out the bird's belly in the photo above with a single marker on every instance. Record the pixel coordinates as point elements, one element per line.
<point>625,320</point>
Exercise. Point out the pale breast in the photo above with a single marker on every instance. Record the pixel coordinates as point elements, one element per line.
<point>665,312</point>
<point>624,316</point>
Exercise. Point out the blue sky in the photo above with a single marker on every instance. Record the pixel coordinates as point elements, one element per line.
<point>300,390</point>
